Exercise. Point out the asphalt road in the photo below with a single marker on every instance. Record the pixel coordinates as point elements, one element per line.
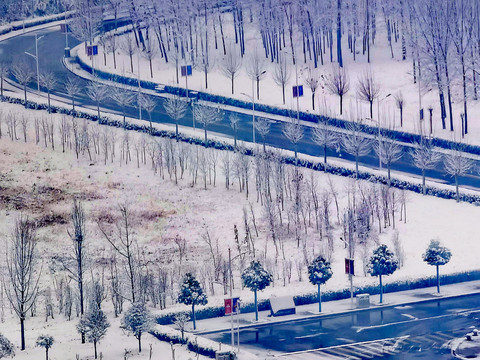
<point>421,331</point>
<point>51,50</point>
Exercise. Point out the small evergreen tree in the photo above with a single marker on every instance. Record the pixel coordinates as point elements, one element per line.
<point>94,325</point>
<point>6,347</point>
<point>138,320</point>
<point>255,277</point>
<point>191,293</point>
<point>45,341</point>
<point>319,272</point>
<point>383,262</point>
<point>437,255</point>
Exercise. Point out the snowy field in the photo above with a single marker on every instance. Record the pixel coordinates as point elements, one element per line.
<point>39,182</point>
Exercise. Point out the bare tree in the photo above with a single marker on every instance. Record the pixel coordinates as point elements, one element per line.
<point>425,158</point>
<point>98,92</point>
<point>313,82</point>
<point>73,88</point>
<point>205,64</point>
<point>129,46</point>
<point>21,260</point>
<point>123,243</point>
<point>234,124</point>
<point>147,103</point>
<point>231,64</point>
<point>262,125</point>
<point>388,151</point>
<point>24,75</point>
<point>207,115</point>
<point>76,267</point>
<point>323,136</point>
<point>400,102</point>
<point>256,68</point>
<point>111,46</point>
<point>176,108</point>
<point>293,131</point>
<point>149,53</point>
<point>368,89</point>
<point>48,81</point>
<point>338,83</point>
<point>87,22</point>
<point>281,74</point>
<point>457,164</point>
<point>123,97</point>
<point>355,143</point>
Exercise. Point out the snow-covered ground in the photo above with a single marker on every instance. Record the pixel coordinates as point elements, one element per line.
<point>392,74</point>
<point>37,181</point>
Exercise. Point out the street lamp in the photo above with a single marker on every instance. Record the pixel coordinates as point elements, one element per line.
<point>252,97</point>
<point>36,58</point>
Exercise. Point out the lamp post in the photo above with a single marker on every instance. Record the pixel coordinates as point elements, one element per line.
<point>36,58</point>
<point>252,97</point>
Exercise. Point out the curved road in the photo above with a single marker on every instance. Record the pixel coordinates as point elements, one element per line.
<point>51,50</point>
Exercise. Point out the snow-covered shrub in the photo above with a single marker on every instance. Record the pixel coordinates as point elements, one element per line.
<point>6,347</point>
<point>138,321</point>
<point>203,346</point>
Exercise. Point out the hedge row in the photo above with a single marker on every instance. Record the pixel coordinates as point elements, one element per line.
<point>32,23</point>
<point>317,166</point>
<point>173,337</point>
<point>312,298</point>
<point>400,136</point>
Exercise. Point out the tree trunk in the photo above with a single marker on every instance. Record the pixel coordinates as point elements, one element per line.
<point>193,317</point>
<point>456,188</point>
<point>95,348</point>
<point>140,342</point>
<point>424,190</point>
<point>80,281</point>
<point>381,289</point>
<point>325,154</point>
<point>371,109</point>
<point>341,104</point>
<point>356,166</point>
<point>438,281</point>
<point>176,130</point>
<point>22,333</point>
<point>339,33</point>
<point>46,353</point>
<point>256,307</point>
<point>319,300</point>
